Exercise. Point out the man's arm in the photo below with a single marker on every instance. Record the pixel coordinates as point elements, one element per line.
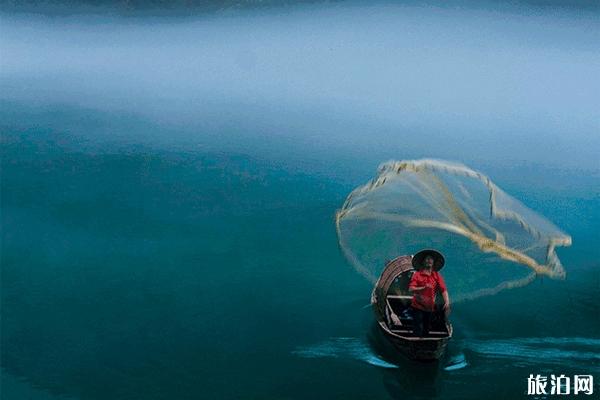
<point>444,290</point>
<point>446,300</point>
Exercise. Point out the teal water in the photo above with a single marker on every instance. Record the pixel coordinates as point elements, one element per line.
<point>135,272</point>
<point>168,226</point>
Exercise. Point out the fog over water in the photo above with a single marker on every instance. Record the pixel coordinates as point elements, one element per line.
<point>338,77</point>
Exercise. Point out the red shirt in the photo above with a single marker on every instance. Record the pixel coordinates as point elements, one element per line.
<point>425,299</point>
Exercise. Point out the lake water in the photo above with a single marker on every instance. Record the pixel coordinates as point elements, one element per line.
<point>169,190</point>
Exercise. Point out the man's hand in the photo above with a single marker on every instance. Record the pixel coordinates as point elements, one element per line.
<point>446,303</point>
<point>447,309</point>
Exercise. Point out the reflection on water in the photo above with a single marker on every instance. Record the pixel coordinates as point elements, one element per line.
<point>456,362</point>
<point>351,348</point>
<point>574,351</point>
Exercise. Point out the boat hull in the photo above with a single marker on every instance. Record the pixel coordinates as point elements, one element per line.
<point>425,349</point>
<point>391,297</point>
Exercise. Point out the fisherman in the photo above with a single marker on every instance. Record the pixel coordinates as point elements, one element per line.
<point>424,284</point>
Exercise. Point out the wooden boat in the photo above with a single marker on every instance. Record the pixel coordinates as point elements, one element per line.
<point>391,303</point>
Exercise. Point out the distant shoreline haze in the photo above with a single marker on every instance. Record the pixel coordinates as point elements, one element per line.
<point>180,8</point>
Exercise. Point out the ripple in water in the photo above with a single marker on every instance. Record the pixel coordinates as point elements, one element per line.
<point>343,347</point>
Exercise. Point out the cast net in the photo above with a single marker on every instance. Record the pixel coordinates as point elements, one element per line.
<point>491,241</point>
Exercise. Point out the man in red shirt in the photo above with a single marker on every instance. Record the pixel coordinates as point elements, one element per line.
<point>424,284</point>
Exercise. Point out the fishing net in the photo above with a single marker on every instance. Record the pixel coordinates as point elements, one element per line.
<point>490,240</point>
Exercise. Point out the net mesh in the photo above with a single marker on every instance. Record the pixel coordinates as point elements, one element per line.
<point>490,240</point>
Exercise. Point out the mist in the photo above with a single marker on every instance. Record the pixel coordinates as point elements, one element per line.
<point>381,81</point>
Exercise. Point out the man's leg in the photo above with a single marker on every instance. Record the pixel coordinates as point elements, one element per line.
<point>426,318</point>
<point>417,321</point>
